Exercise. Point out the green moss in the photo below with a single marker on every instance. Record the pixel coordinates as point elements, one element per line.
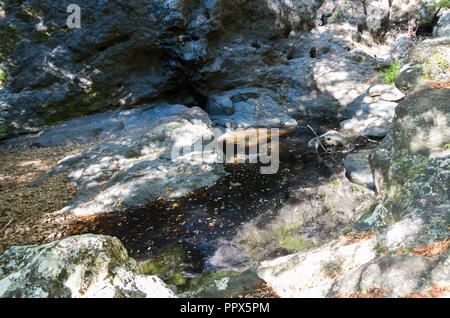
<point>168,266</point>
<point>295,244</point>
<point>288,238</point>
<point>389,73</point>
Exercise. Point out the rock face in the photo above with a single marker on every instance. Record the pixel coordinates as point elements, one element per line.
<point>442,27</point>
<point>409,168</point>
<point>162,46</point>
<point>144,161</point>
<point>80,266</point>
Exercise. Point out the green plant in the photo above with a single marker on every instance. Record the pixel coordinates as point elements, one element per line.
<point>443,4</point>
<point>389,73</point>
<point>2,131</point>
<point>338,15</point>
<point>3,76</point>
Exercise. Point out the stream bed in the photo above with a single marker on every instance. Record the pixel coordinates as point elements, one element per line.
<point>188,230</point>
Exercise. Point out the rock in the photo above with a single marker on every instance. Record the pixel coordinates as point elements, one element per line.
<point>428,61</point>
<point>315,212</point>
<point>223,285</point>
<point>378,17</point>
<point>388,93</point>
<point>409,78</point>
<point>304,274</point>
<point>144,161</point>
<point>393,276</point>
<point>248,107</point>
<point>416,13</point>
<point>80,266</point>
<point>340,269</point>
<point>408,168</point>
<point>442,27</point>
<point>402,46</point>
<point>372,119</point>
<point>335,11</point>
<point>358,169</point>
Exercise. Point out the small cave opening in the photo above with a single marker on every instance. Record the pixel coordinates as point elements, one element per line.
<point>424,30</point>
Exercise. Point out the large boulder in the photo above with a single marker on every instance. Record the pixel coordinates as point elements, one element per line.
<point>410,172</point>
<point>143,161</point>
<point>88,266</point>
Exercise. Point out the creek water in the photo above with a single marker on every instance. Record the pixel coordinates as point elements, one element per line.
<point>198,221</point>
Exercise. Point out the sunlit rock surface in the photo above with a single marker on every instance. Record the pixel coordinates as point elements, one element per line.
<point>144,161</point>
<point>91,266</point>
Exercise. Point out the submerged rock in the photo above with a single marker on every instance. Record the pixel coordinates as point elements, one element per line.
<point>80,266</point>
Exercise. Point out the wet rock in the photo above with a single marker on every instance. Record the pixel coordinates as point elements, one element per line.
<point>144,162</point>
<point>316,210</point>
<point>358,169</point>
<point>442,27</point>
<point>80,266</point>
<point>194,48</point>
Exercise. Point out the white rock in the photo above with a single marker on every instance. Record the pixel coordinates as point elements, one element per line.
<point>86,266</point>
<point>386,92</point>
